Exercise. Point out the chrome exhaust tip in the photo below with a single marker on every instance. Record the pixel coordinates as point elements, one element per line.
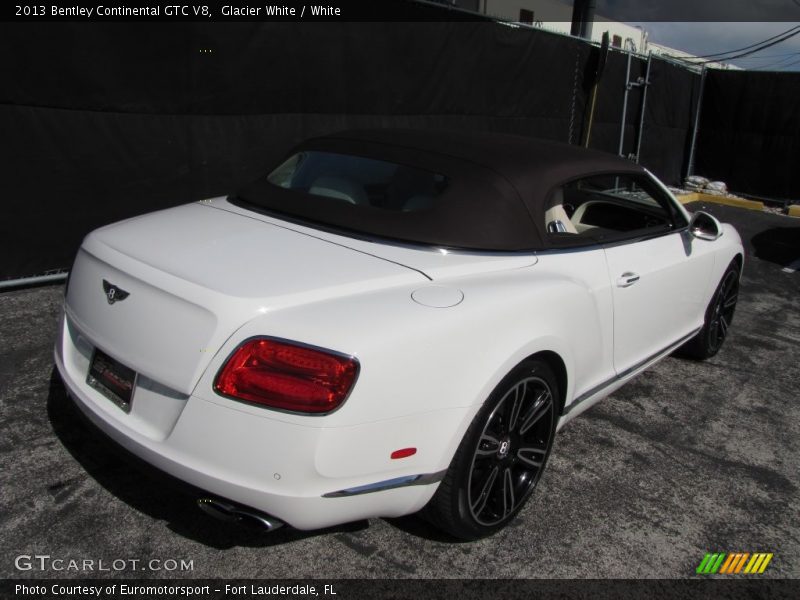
<point>235,514</point>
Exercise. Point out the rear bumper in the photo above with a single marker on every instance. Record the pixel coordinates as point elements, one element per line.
<point>277,467</point>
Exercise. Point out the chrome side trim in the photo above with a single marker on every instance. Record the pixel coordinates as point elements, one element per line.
<point>629,371</point>
<point>388,484</point>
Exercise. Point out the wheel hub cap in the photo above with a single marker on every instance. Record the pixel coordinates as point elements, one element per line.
<point>504,449</point>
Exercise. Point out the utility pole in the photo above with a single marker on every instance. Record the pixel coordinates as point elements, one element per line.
<point>582,18</point>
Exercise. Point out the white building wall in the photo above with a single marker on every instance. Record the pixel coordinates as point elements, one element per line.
<point>673,53</point>
<point>508,10</point>
<point>559,19</point>
<point>555,16</point>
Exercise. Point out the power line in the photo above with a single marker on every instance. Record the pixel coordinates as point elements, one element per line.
<point>771,65</point>
<point>784,55</point>
<point>783,68</point>
<point>786,36</point>
<point>758,47</point>
<point>776,64</point>
<point>764,47</point>
<point>769,39</point>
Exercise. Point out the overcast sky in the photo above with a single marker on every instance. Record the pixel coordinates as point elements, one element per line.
<point>694,26</point>
<point>708,38</point>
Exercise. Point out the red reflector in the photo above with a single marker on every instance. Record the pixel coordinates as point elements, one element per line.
<point>404,453</point>
<point>287,376</point>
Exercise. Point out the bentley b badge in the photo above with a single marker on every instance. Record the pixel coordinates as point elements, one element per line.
<point>113,293</point>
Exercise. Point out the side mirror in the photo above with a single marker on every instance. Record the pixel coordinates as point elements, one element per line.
<point>705,227</point>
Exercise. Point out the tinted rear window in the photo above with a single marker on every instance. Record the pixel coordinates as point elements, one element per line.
<point>360,181</point>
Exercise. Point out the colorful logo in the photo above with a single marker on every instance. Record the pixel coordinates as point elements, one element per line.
<point>732,563</point>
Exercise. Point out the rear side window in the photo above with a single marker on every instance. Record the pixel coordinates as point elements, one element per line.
<point>610,207</point>
<point>360,181</point>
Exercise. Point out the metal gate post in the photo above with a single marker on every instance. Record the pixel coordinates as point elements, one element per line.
<point>625,104</point>
<point>644,105</point>
<point>696,127</point>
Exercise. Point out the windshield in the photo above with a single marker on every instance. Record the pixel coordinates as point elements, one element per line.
<point>361,181</point>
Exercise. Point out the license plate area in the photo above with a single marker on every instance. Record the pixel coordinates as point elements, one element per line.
<point>112,379</point>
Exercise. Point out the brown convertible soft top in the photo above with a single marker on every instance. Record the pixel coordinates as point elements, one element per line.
<point>495,200</point>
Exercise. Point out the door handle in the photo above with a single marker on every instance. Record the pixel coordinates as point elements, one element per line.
<point>627,279</point>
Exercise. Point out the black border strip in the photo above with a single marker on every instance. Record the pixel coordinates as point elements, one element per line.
<point>750,587</point>
<point>392,10</point>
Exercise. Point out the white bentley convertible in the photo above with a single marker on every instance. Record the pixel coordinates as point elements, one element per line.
<point>389,321</point>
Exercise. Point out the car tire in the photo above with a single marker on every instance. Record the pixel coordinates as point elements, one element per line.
<point>718,317</point>
<point>501,457</point>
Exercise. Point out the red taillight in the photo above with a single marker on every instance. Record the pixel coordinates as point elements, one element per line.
<point>287,376</point>
<point>403,453</point>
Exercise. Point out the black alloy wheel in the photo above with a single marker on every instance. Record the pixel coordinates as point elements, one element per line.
<point>511,450</point>
<point>718,317</point>
<point>501,457</point>
<point>723,309</point>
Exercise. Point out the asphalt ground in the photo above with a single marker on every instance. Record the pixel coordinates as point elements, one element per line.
<point>686,459</point>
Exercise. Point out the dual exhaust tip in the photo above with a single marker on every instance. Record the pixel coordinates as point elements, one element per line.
<point>231,513</point>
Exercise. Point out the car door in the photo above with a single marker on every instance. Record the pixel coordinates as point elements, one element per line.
<point>657,288</point>
<point>658,274</point>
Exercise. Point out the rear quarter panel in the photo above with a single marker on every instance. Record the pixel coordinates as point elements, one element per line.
<point>428,370</point>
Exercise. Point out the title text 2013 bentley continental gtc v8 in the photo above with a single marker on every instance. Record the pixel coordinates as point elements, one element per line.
<point>388,321</point>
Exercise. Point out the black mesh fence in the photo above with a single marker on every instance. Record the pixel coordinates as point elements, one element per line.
<point>105,121</point>
<point>750,132</point>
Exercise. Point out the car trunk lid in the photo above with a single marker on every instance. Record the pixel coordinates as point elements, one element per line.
<point>434,262</point>
<point>194,275</point>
